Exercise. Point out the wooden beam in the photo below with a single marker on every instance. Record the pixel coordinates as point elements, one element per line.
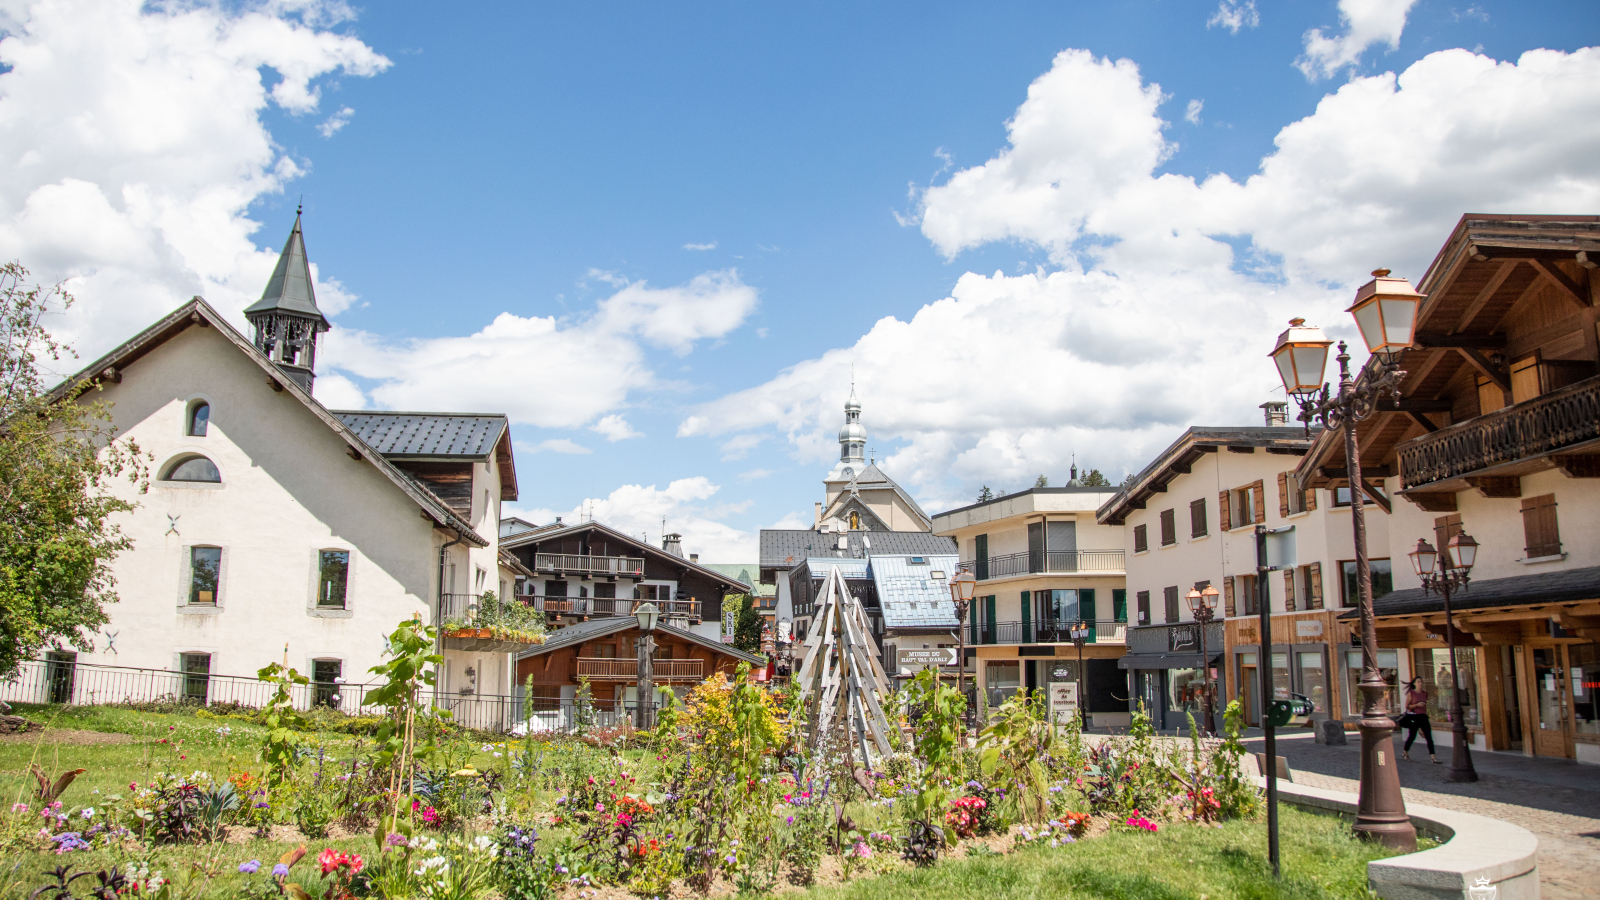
<point>1495,487</point>
<point>1486,341</point>
<point>1575,292</point>
<point>1337,472</point>
<point>1233,449</point>
<point>1586,465</point>
<point>1587,261</point>
<point>275,384</point>
<point>1426,406</point>
<point>1485,295</point>
<point>1433,502</point>
<point>351,451</point>
<point>1424,421</point>
<point>1483,365</point>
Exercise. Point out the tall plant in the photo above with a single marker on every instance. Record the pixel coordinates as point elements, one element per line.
<point>284,723</point>
<point>57,462</point>
<point>1014,748</point>
<point>937,709</point>
<point>408,671</point>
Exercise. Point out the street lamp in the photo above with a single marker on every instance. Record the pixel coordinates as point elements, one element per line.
<point>1452,576</point>
<point>1080,635</point>
<point>648,615</point>
<point>1204,606</point>
<point>962,588</point>
<point>1385,310</point>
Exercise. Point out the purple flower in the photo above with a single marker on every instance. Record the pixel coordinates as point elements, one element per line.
<point>251,867</point>
<point>790,820</point>
<point>395,840</point>
<point>280,870</point>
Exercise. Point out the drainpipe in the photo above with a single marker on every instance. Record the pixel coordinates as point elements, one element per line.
<point>438,610</point>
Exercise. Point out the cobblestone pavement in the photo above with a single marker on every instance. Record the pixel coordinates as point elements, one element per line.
<point>1558,801</point>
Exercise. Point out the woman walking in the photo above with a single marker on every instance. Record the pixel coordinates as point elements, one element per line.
<point>1416,718</point>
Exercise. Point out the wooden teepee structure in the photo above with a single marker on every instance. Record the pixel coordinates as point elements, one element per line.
<point>840,676</point>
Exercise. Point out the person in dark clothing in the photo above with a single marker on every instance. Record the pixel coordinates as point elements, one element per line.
<point>1416,718</point>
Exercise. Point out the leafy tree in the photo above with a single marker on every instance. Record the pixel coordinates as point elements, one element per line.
<point>985,495</point>
<point>1095,479</point>
<point>1041,481</point>
<point>747,628</point>
<point>57,462</point>
<point>1128,482</point>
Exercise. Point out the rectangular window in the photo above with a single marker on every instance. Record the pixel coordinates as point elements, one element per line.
<point>334,566</point>
<point>1141,539</point>
<point>196,677</point>
<point>1169,527</point>
<point>1445,528</point>
<point>1245,587</point>
<point>605,590</point>
<point>1539,526</point>
<point>205,567</point>
<point>1341,496</point>
<point>325,675</point>
<point>555,589</point>
<point>1244,506</point>
<point>1388,666</point>
<point>1171,596</point>
<point>1382,581</point>
<point>1291,496</point>
<point>1143,598</point>
<point>1197,518</point>
<point>980,556</point>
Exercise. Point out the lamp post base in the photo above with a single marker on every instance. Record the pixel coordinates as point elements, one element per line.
<point>1382,813</point>
<point>1460,755</point>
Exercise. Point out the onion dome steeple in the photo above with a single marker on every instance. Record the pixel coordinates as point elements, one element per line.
<point>853,436</point>
<point>286,318</point>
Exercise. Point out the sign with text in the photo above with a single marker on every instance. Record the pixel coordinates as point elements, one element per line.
<point>911,661</point>
<point>1305,629</point>
<point>1063,701</point>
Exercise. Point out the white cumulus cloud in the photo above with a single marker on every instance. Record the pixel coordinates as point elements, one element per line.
<point>1192,113</point>
<point>338,120</point>
<point>1366,22</point>
<point>638,510</point>
<point>615,428</point>
<point>1233,15</point>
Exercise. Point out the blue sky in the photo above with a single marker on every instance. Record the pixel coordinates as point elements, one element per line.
<point>538,161</point>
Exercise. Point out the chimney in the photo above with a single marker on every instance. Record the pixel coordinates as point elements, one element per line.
<point>673,543</point>
<point>1277,413</point>
<point>694,557</point>
<point>819,515</point>
<point>558,520</point>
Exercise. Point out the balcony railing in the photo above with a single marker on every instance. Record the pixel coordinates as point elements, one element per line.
<point>1102,631</point>
<point>607,606</point>
<point>589,565</point>
<point>1545,424</point>
<point>597,669</point>
<point>1054,562</point>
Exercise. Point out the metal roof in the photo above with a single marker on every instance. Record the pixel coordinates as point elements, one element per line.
<point>853,569</point>
<point>785,549</point>
<point>400,435</point>
<point>909,594</point>
<point>749,573</point>
<point>290,289</point>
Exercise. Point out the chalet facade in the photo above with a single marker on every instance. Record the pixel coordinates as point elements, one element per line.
<point>1498,434</point>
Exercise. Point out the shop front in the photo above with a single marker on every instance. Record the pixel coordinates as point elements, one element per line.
<point>1168,670</point>
<point>1310,656</point>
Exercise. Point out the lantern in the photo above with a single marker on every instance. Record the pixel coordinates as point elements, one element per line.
<point>1301,355</point>
<point>1424,558</point>
<point>1386,312</point>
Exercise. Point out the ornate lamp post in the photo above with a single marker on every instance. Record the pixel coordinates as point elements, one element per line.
<point>1080,635</point>
<point>1452,576</point>
<point>1203,604</point>
<point>1385,310</point>
<point>963,585</point>
<point>648,615</point>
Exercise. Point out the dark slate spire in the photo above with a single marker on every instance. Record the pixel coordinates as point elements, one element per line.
<point>286,319</point>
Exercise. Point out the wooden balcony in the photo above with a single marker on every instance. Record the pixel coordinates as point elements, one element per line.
<point>562,563</point>
<point>665,670</point>
<point>1509,442</point>
<point>606,606</point>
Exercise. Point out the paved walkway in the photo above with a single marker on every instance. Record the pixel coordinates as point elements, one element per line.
<point>1557,800</point>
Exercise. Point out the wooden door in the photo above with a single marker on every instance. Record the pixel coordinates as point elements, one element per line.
<point>1551,706</point>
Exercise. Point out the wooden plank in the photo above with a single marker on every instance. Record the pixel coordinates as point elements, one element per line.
<point>1484,296</point>
<point>1485,367</point>
<point>1424,421</point>
<point>1570,289</point>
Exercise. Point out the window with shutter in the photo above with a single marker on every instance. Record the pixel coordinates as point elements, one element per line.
<point>1311,499</point>
<point>1539,526</point>
<point>1172,602</point>
<point>1169,527</point>
<point>1525,379</point>
<point>1314,584</point>
<point>1143,600</point>
<point>1197,518</point>
<point>1027,617</point>
<point>1258,499</point>
<point>1288,590</point>
<point>1445,528</point>
<point>1283,494</point>
<point>1141,539</point>
<point>1227,596</point>
<point>1224,510</point>
<point>1119,604</point>
<point>1247,592</point>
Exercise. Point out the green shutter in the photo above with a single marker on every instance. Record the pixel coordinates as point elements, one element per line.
<point>1086,608</point>
<point>980,549</point>
<point>1027,618</point>
<point>1119,604</point>
<point>972,611</point>
<point>988,615</point>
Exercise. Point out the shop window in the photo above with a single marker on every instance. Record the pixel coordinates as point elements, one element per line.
<point>555,589</point>
<point>193,469</point>
<point>1388,667</point>
<point>334,574</point>
<point>1141,539</point>
<point>1539,530</point>
<point>1583,661</point>
<point>1349,589</point>
<point>199,419</point>
<point>205,569</point>
<point>1313,679</point>
<point>1169,527</point>
<point>1003,680</point>
<point>605,590</point>
<point>1433,667</point>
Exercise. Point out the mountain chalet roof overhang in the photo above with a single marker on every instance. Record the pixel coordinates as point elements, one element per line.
<point>118,363</point>
<point>519,540</point>
<point>1494,271</point>
<point>595,629</point>
<point>1189,449</point>
<point>438,437</point>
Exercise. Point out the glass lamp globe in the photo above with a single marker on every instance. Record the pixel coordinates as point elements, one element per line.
<point>1301,356</point>
<point>1386,312</point>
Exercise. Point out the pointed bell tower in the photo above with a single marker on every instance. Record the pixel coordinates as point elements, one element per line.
<point>286,319</point>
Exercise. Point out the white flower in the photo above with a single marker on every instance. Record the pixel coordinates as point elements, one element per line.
<point>88,812</point>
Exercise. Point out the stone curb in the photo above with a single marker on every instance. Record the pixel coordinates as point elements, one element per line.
<point>1475,849</point>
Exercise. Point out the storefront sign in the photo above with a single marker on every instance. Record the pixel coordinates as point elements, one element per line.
<point>909,661</point>
<point>1311,629</point>
<point>1184,638</point>
<point>1063,700</point>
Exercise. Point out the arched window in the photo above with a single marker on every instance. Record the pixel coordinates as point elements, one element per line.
<point>199,419</point>
<point>194,469</point>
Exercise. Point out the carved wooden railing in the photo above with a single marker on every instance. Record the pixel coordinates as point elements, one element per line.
<point>628,669</point>
<point>598,565</point>
<point>1559,419</point>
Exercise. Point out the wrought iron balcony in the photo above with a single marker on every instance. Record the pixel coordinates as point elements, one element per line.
<point>1103,631</point>
<point>589,565</point>
<point>1541,426</point>
<point>1054,562</point>
<point>663,670</point>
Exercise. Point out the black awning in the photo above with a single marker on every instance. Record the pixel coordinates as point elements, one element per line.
<point>1163,660</point>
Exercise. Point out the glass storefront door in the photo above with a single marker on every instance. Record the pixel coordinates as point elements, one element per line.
<point>1313,680</point>
<point>1550,702</point>
<point>1280,676</point>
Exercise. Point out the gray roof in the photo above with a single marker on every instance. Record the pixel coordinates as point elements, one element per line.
<point>749,573</point>
<point>289,289</point>
<point>1183,452</point>
<point>785,549</point>
<point>598,628</point>
<point>1518,590</point>
<point>401,435</point>
<point>910,596</point>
